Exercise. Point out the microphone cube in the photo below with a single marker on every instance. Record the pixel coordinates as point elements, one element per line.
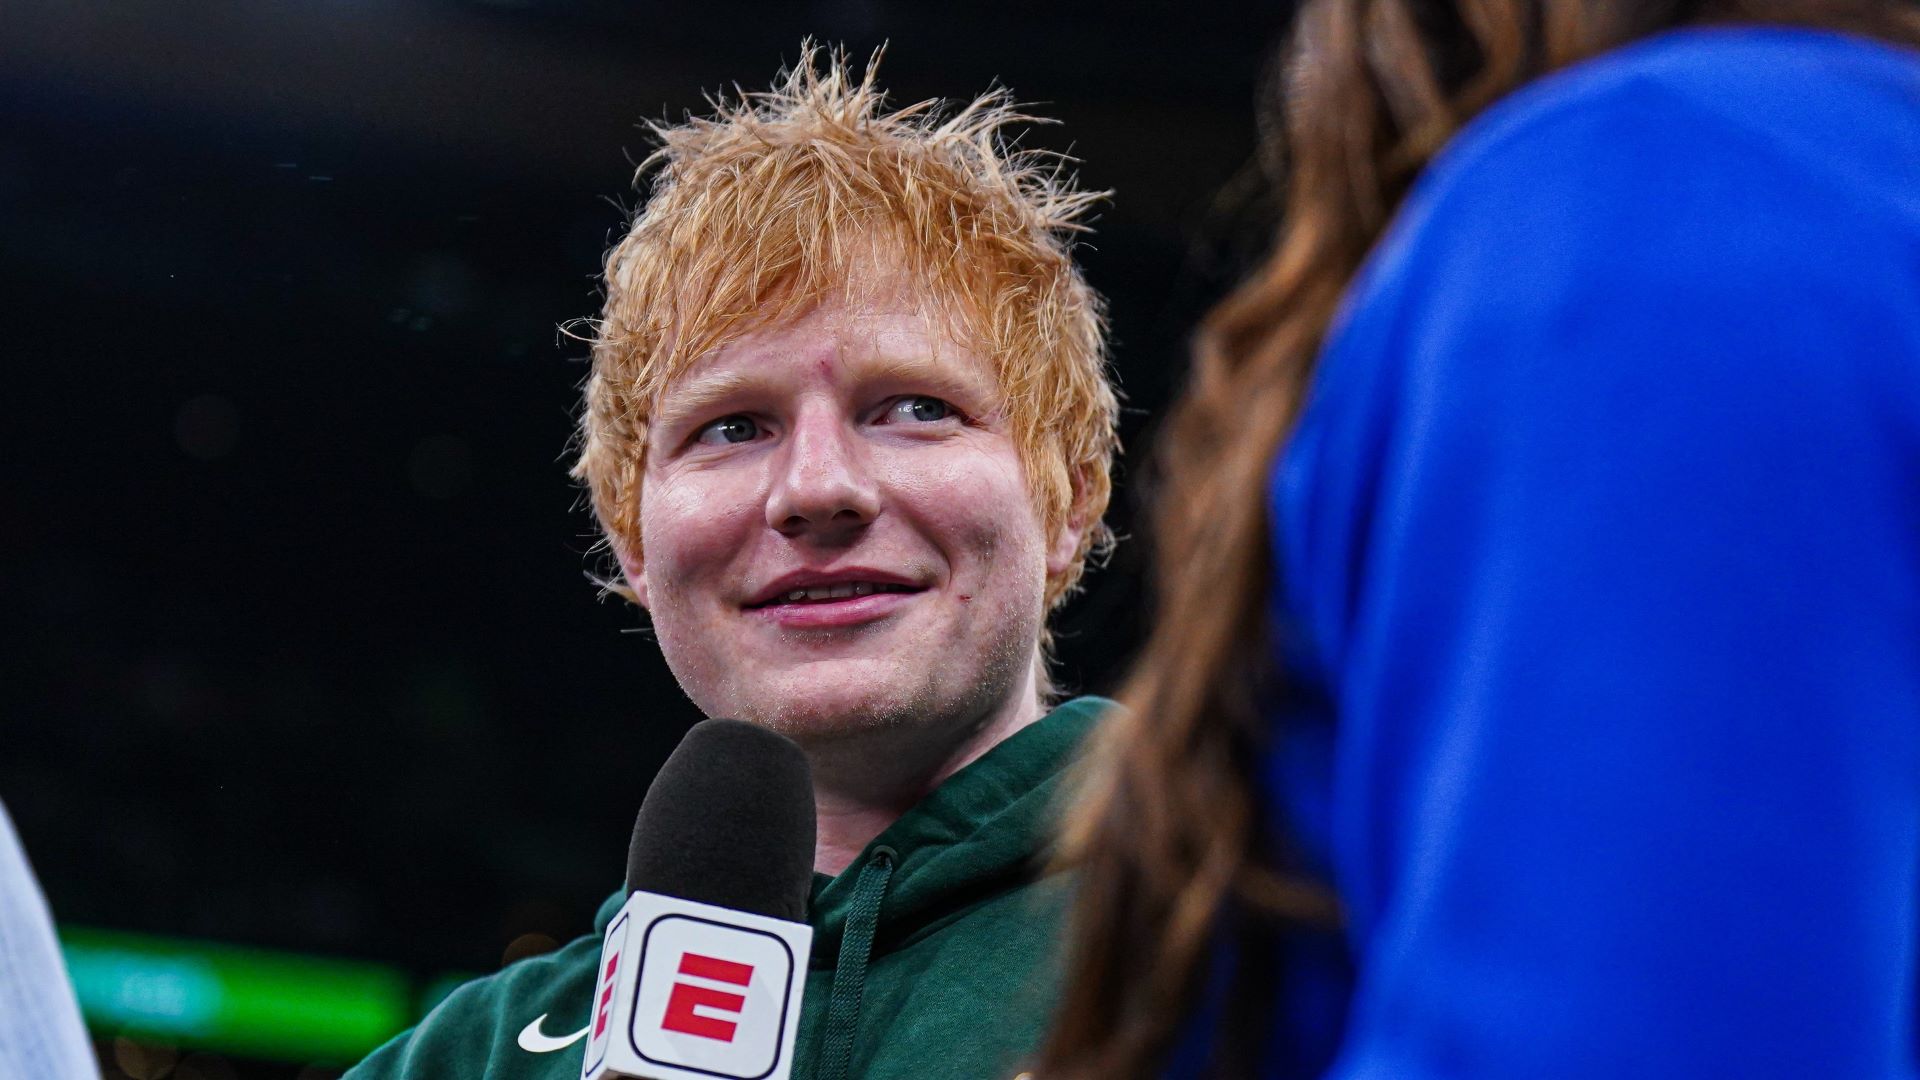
<point>691,991</point>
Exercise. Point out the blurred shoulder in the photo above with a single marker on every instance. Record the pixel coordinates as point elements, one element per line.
<point>1784,81</point>
<point>1746,160</point>
<point>518,1022</point>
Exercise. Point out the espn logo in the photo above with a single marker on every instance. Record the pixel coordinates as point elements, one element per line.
<point>605,1012</point>
<point>687,997</point>
<point>713,999</point>
<point>603,996</point>
<point>690,991</point>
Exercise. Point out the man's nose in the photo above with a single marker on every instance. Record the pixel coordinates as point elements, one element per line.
<point>822,487</point>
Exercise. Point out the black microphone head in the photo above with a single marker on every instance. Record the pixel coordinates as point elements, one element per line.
<point>729,822</point>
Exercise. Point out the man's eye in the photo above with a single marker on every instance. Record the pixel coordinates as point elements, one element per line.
<point>728,429</point>
<point>920,410</point>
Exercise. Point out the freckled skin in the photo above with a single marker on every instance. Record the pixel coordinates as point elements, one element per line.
<point>838,472</point>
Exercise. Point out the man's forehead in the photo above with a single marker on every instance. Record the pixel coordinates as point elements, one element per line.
<point>891,337</point>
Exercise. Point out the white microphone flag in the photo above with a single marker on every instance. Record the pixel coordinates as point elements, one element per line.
<point>690,991</point>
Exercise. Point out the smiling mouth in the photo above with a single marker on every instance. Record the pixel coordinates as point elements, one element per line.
<point>826,594</point>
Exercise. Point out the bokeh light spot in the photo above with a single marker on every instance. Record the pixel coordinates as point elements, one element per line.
<point>143,1061</point>
<point>526,945</point>
<point>206,427</point>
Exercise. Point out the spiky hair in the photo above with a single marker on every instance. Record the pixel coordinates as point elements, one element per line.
<point>764,209</point>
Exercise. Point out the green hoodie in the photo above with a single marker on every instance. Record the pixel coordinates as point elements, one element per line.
<point>933,953</point>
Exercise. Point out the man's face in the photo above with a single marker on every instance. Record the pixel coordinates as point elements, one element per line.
<point>836,528</point>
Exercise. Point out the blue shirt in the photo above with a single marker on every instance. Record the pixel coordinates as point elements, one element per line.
<point>41,1037</point>
<point>1598,561</point>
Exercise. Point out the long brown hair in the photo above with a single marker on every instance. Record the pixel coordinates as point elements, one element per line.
<point>1166,834</point>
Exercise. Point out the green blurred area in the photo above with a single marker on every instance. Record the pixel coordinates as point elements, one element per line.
<point>231,999</point>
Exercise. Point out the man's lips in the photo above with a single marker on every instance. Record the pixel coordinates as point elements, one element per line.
<point>826,600</point>
<point>829,614</point>
<point>811,588</point>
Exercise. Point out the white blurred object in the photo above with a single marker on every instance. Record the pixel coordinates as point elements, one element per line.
<point>41,1036</point>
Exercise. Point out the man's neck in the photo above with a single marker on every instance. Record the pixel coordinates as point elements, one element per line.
<point>860,790</point>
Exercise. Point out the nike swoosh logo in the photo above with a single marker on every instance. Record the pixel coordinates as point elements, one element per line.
<point>535,1041</point>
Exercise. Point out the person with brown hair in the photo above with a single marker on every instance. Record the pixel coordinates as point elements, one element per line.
<point>847,433</point>
<point>1535,684</point>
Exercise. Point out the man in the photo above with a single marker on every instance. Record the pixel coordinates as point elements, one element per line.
<point>848,434</point>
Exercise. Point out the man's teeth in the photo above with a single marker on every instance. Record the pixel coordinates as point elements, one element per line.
<point>839,592</point>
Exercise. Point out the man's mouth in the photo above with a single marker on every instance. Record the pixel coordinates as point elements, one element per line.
<point>820,594</point>
<point>833,601</point>
<point>828,592</point>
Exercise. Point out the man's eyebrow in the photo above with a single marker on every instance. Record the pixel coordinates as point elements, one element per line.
<point>683,401</point>
<point>928,371</point>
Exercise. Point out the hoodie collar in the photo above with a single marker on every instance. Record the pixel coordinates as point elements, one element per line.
<point>991,821</point>
<point>988,825</point>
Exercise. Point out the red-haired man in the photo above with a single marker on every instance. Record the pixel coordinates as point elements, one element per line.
<point>848,435</point>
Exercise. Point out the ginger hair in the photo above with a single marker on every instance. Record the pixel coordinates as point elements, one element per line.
<point>773,204</point>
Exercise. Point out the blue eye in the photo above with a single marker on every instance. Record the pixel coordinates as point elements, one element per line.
<point>728,429</point>
<point>920,410</point>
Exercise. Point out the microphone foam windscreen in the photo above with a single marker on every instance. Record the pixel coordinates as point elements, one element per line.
<point>729,822</point>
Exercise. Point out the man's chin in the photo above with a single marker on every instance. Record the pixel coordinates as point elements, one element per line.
<point>816,722</point>
<point>823,704</point>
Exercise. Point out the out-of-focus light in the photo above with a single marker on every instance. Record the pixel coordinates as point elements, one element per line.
<point>206,427</point>
<point>527,945</point>
<point>143,1061</point>
<point>252,1002</point>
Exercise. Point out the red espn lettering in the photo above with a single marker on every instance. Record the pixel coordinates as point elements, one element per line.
<point>606,999</point>
<point>686,997</point>
<point>712,967</point>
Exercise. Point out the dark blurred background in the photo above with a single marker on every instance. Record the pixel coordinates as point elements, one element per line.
<point>304,685</point>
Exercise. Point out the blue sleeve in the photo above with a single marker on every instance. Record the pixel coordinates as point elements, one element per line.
<point>41,1035</point>
<point>1604,522</point>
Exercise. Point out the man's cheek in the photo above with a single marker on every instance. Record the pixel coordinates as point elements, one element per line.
<point>704,661</point>
<point>996,532</point>
<point>688,541</point>
<point>687,507</point>
<point>1005,579</point>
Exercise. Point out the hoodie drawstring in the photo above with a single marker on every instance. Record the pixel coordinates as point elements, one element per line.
<point>850,971</point>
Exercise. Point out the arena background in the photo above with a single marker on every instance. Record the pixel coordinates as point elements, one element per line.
<point>309,707</point>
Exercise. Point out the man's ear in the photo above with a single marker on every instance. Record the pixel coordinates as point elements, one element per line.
<point>1065,546</point>
<point>633,566</point>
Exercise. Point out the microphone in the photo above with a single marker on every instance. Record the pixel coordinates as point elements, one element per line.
<point>702,971</point>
